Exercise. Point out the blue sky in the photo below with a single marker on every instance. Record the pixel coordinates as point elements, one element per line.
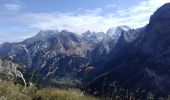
<point>20,19</point>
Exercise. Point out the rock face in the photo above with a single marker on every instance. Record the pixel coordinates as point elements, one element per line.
<point>11,70</point>
<point>61,54</point>
<point>140,59</point>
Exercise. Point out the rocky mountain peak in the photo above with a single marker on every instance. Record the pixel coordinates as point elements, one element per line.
<point>158,31</point>
<point>160,21</point>
<point>162,13</point>
<point>87,34</point>
<point>44,33</point>
<point>115,32</point>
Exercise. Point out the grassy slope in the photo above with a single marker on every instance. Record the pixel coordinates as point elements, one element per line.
<point>10,91</point>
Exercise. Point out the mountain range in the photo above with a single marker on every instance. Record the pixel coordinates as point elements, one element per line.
<point>134,58</point>
<point>62,54</point>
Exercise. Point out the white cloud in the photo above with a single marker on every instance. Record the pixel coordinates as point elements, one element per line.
<point>135,16</point>
<point>13,7</point>
<point>73,22</point>
<point>139,15</point>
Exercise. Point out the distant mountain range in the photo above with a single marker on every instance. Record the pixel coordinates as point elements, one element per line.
<point>137,58</point>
